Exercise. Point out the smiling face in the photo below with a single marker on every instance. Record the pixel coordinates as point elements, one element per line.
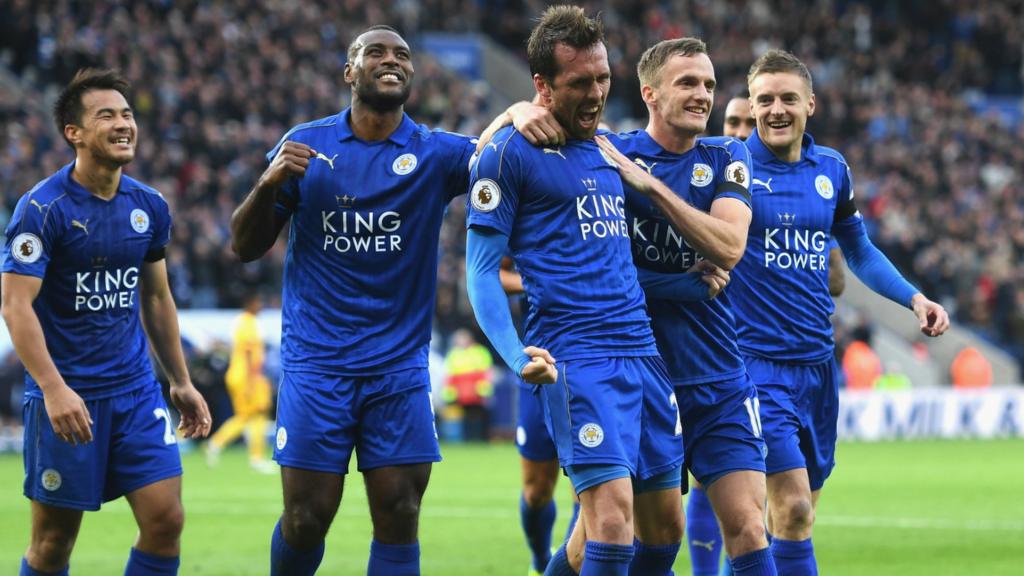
<point>577,93</point>
<point>381,72</point>
<point>684,93</point>
<point>781,103</point>
<point>106,131</point>
<point>738,121</point>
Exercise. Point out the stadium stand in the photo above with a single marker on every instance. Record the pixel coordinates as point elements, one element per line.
<point>914,93</point>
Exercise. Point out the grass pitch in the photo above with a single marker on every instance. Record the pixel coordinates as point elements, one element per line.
<point>908,508</point>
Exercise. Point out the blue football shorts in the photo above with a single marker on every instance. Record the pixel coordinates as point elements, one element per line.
<point>532,437</point>
<point>387,418</point>
<point>799,415</point>
<point>614,411</point>
<point>133,446</point>
<point>721,428</point>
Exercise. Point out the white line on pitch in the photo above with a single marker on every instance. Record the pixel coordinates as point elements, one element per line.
<point>919,523</point>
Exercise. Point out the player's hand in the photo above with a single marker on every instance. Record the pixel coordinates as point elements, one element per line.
<point>541,369</point>
<point>716,278</point>
<point>195,416</point>
<point>68,414</point>
<point>537,124</point>
<point>631,173</point>
<point>291,162</point>
<point>932,316</point>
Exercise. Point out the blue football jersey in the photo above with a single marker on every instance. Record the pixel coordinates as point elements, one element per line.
<point>360,273</point>
<point>780,288</point>
<point>696,339</point>
<point>89,253</point>
<point>563,210</point>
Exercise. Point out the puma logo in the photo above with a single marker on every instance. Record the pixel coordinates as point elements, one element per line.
<point>37,205</point>
<point>767,185</point>
<point>77,224</point>
<point>330,161</point>
<point>641,163</point>
<point>555,151</point>
<point>493,145</point>
<point>709,545</point>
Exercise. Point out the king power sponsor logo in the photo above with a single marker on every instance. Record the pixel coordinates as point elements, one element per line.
<point>347,230</point>
<point>100,290</point>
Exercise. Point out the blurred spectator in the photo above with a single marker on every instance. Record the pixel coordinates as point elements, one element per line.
<point>861,366</point>
<point>469,384</point>
<point>970,369</point>
<point>893,379</point>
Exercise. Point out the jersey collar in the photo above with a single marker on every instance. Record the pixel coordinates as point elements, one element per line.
<point>762,155</point>
<point>645,145</point>
<point>400,136</point>
<point>73,188</point>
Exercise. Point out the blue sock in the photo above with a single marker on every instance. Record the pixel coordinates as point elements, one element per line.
<point>703,536</point>
<point>756,563</point>
<point>727,565</point>
<point>27,570</point>
<point>652,560</point>
<point>572,521</point>
<point>287,561</point>
<point>537,524</point>
<point>602,559</point>
<point>794,557</point>
<point>145,564</point>
<point>559,564</point>
<point>394,559</point>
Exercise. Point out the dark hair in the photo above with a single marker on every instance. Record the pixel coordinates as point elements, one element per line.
<point>560,24</point>
<point>355,46</point>
<point>777,61</point>
<point>654,58</point>
<point>68,109</point>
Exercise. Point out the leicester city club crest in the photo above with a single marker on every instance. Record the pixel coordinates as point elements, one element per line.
<point>404,164</point>
<point>702,174</point>
<point>140,220</point>
<point>823,184</point>
<point>591,435</point>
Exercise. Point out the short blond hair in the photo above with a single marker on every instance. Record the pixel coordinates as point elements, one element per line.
<point>655,57</point>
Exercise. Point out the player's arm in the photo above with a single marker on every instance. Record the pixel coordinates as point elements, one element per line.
<point>68,413</point>
<point>484,251</point>
<point>836,270</point>
<point>160,321</point>
<point>536,123</point>
<point>876,271</point>
<point>511,281</point>
<point>255,224</point>
<point>703,281</point>
<point>720,236</point>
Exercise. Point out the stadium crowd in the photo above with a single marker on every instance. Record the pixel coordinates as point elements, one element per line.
<point>217,83</point>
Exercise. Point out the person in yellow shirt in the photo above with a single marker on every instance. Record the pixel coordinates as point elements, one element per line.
<point>249,390</point>
<point>469,385</point>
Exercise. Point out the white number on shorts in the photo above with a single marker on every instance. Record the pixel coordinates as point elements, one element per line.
<point>754,411</point>
<point>160,413</point>
<point>675,404</point>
